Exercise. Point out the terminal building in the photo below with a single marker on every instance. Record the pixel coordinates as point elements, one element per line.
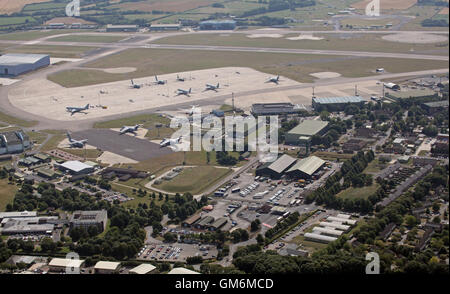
<point>336,103</point>
<point>218,25</point>
<point>275,109</point>
<point>165,27</point>
<point>14,64</point>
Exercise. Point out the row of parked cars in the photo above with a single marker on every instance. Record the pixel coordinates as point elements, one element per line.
<point>249,189</point>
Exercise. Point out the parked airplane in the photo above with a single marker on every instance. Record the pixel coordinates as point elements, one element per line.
<point>183,92</point>
<point>74,110</point>
<point>274,80</point>
<point>212,87</point>
<point>76,144</point>
<point>167,142</point>
<point>135,86</point>
<point>159,82</point>
<point>128,129</point>
<point>180,79</point>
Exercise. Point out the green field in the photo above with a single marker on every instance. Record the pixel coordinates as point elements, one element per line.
<point>194,179</point>
<point>294,66</point>
<point>147,120</point>
<point>5,118</point>
<point>6,21</point>
<point>375,166</point>
<point>7,193</point>
<point>88,38</point>
<point>52,50</point>
<point>363,42</point>
<point>32,35</point>
<point>358,193</point>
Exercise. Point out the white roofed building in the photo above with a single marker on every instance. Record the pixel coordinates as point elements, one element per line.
<point>143,269</point>
<point>106,267</point>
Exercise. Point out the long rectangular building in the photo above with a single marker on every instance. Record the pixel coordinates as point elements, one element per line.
<point>306,167</point>
<point>276,169</point>
<point>274,109</point>
<point>14,64</point>
<point>336,103</point>
<point>303,132</point>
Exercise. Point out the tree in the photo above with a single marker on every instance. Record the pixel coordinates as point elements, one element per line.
<point>255,225</point>
<point>170,238</point>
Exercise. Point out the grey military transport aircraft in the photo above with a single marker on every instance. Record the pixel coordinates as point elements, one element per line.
<point>167,142</point>
<point>76,143</point>
<point>74,110</point>
<point>212,87</point>
<point>184,92</point>
<point>275,80</point>
<point>129,129</point>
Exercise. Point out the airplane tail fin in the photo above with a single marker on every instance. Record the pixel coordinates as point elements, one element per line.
<point>69,137</point>
<point>87,106</point>
<point>132,82</point>
<point>217,86</point>
<point>190,90</point>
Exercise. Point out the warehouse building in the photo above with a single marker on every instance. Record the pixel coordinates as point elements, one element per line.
<point>302,134</point>
<point>76,168</point>
<point>14,142</point>
<point>306,168</point>
<point>319,238</point>
<point>65,264</point>
<point>192,220</point>
<point>328,231</point>
<point>218,224</point>
<point>274,109</point>
<point>182,271</point>
<point>276,169</point>
<point>165,27</point>
<point>14,64</point>
<point>346,221</point>
<point>85,219</point>
<point>17,214</point>
<point>106,267</point>
<point>121,28</point>
<point>143,269</point>
<point>336,103</point>
<point>336,225</point>
<point>218,25</point>
<point>204,223</point>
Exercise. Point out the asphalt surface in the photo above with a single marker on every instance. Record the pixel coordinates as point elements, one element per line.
<point>124,145</point>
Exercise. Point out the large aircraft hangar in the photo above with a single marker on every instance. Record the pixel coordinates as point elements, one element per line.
<point>16,64</point>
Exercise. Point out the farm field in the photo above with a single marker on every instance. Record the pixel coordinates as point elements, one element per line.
<point>11,6</point>
<point>7,21</point>
<point>365,42</point>
<point>163,5</point>
<point>387,4</point>
<point>194,179</point>
<point>150,62</point>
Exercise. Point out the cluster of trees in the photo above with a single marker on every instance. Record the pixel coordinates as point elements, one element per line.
<point>252,260</point>
<point>182,206</point>
<point>69,199</point>
<point>123,239</point>
<point>224,158</point>
<point>336,128</point>
<point>287,222</point>
<point>350,169</point>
